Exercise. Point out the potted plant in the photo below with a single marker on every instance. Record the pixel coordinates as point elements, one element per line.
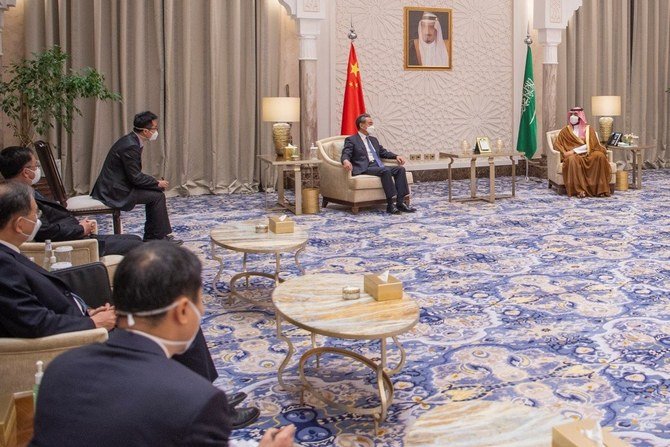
<point>41,92</point>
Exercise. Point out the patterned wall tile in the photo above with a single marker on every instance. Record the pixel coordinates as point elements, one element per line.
<point>426,111</point>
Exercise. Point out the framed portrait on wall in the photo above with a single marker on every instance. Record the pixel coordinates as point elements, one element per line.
<point>427,35</point>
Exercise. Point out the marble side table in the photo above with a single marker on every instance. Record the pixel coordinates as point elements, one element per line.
<point>242,237</point>
<point>314,303</point>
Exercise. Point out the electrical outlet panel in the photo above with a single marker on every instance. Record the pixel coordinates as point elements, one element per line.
<point>415,157</point>
<point>430,157</point>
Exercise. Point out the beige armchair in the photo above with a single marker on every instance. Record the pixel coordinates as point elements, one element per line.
<point>555,165</point>
<point>18,355</point>
<point>84,251</point>
<point>339,186</point>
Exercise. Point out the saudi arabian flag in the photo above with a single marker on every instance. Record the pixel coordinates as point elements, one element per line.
<point>527,142</point>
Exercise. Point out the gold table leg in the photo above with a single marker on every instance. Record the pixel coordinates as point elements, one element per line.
<point>451,161</point>
<point>492,180</point>
<point>291,350</point>
<point>384,384</point>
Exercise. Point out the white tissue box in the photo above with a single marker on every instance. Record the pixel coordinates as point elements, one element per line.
<point>571,435</point>
<point>382,291</point>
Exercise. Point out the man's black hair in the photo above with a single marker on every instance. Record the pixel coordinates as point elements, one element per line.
<point>13,159</point>
<point>154,275</point>
<point>143,120</point>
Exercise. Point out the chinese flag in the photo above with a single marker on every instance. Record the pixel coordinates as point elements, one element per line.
<point>354,104</point>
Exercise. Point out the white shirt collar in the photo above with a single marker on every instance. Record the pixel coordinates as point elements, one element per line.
<point>362,135</point>
<point>13,247</point>
<point>152,338</point>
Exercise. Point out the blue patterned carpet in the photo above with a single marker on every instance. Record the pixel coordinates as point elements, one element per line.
<point>543,300</point>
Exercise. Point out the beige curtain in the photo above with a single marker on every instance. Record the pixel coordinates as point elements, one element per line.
<point>622,48</point>
<point>200,65</point>
<point>594,59</point>
<point>650,77</point>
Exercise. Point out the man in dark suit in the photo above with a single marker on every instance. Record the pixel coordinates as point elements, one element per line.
<point>122,184</point>
<point>58,224</point>
<point>126,391</point>
<point>34,303</point>
<point>362,154</point>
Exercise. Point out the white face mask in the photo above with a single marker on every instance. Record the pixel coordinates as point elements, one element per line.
<point>371,130</point>
<point>38,175</point>
<point>178,346</point>
<point>154,136</point>
<point>36,227</point>
<point>574,119</point>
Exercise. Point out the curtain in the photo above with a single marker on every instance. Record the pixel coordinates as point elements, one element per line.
<point>650,77</point>
<point>594,57</point>
<point>620,47</point>
<point>200,65</point>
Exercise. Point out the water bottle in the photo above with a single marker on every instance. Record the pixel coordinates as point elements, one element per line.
<point>46,263</point>
<point>38,379</point>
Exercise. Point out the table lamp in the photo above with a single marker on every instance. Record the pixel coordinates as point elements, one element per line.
<point>605,107</point>
<point>282,111</point>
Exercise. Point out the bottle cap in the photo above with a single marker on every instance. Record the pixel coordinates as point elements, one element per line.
<point>40,372</point>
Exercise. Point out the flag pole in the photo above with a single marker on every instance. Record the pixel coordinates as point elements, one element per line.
<point>528,41</point>
<point>352,33</point>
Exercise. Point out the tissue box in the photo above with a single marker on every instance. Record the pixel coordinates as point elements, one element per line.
<point>279,227</point>
<point>570,435</point>
<point>382,291</point>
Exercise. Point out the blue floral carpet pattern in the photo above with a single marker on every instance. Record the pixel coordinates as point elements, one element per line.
<point>547,301</point>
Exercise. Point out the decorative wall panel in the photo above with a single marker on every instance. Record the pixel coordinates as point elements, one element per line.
<point>429,111</point>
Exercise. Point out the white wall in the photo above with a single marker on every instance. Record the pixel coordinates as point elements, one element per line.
<point>427,111</point>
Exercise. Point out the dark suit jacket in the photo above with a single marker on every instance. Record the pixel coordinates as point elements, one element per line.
<point>354,151</point>
<point>34,303</point>
<point>58,224</point>
<point>122,173</point>
<point>127,392</point>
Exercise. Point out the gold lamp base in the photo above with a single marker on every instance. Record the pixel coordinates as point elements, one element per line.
<point>605,127</point>
<point>281,136</point>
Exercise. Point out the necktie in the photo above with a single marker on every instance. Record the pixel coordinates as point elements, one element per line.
<point>374,152</point>
<point>80,303</point>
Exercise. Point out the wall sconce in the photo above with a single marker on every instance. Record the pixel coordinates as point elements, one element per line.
<point>605,107</point>
<point>281,111</point>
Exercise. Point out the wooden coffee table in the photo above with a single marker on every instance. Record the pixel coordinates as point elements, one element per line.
<point>314,303</point>
<point>242,237</point>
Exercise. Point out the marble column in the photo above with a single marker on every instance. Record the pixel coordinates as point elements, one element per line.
<point>308,111</point>
<point>550,17</point>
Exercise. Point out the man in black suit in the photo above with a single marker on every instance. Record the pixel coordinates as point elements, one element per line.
<point>34,303</point>
<point>58,224</point>
<point>122,184</point>
<point>126,391</point>
<point>362,154</point>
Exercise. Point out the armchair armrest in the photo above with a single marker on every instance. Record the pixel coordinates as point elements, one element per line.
<point>18,355</point>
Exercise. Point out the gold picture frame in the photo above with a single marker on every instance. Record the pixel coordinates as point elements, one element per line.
<point>483,145</point>
<point>418,20</point>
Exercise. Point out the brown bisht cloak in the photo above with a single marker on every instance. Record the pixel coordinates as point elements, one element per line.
<point>589,173</point>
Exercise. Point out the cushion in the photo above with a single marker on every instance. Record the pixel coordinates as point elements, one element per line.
<point>334,150</point>
<point>365,181</point>
<point>85,203</point>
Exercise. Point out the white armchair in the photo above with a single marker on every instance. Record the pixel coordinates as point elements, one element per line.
<point>84,251</point>
<point>555,165</point>
<point>339,186</point>
<point>18,355</point>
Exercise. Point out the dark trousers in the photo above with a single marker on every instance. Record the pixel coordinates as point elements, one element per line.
<point>157,224</point>
<point>198,359</point>
<point>117,244</point>
<point>394,180</point>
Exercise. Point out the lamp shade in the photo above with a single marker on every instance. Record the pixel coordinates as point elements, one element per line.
<point>281,109</point>
<point>606,105</point>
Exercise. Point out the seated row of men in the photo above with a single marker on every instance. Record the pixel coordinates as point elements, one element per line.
<point>151,382</point>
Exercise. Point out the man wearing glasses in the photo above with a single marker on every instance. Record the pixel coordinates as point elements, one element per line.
<point>122,184</point>
<point>19,164</point>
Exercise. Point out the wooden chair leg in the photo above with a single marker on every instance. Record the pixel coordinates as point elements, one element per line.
<point>354,209</point>
<point>324,203</point>
<point>116,218</point>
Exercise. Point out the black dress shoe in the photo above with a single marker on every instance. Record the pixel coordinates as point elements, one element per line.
<point>242,417</point>
<point>404,208</point>
<point>392,209</point>
<point>236,399</point>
